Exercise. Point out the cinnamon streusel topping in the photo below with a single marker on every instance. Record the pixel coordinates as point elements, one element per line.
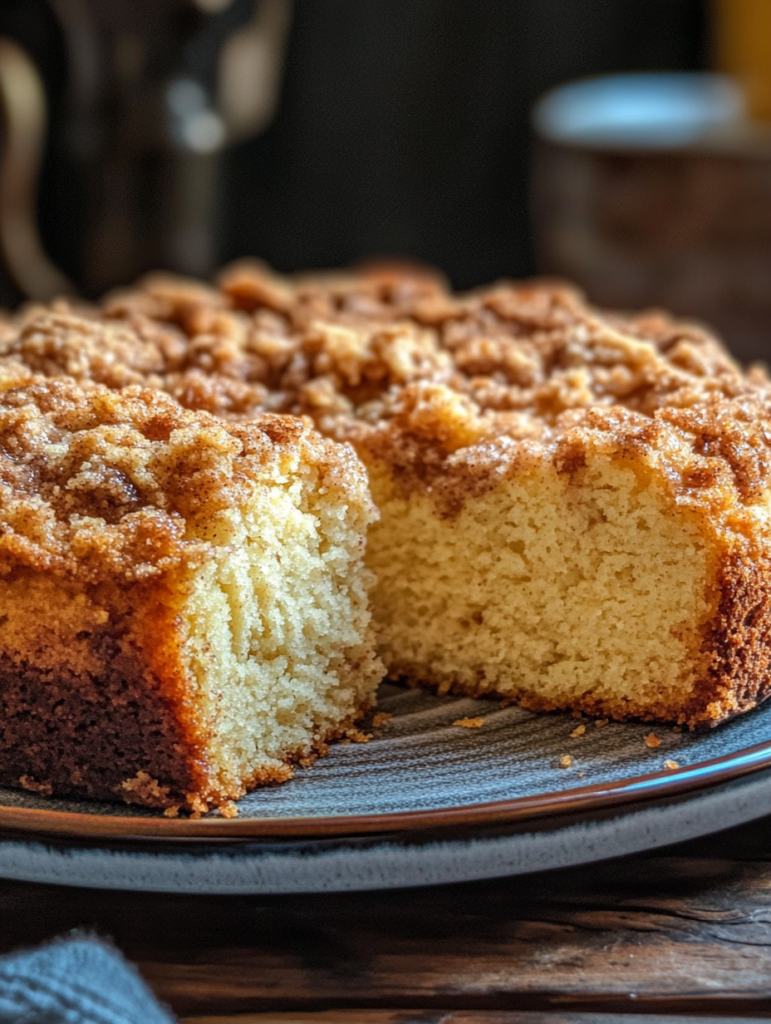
<point>103,484</point>
<point>392,360</point>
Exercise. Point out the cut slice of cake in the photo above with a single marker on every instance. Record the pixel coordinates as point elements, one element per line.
<point>183,602</point>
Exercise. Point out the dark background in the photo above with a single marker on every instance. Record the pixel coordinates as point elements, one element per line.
<point>404,125</point>
<point>402,129</point>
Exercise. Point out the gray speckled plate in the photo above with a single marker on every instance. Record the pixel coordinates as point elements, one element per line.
<point>406,859</point>
<point>420,771</point>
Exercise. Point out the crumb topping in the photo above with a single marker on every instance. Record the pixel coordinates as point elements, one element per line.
<point>105,484</point>
<point>450,390</point>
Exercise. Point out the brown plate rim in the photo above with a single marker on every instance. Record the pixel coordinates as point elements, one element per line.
<point>656,785</point>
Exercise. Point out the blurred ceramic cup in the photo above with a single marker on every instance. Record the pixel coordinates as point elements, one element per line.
<point>655,189</point>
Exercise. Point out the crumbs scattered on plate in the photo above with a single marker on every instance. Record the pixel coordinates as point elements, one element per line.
<point>671,765</point>
<point>469,723</point>
<point>565,761</point>
<point>600,722</point>
<point>578,731</point>
<point>652,740</point>
<point>381,718</point>
<point>357,736</point>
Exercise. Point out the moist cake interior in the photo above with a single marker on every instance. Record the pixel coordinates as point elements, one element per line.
<point>551,591</point>
<point>277,629</point>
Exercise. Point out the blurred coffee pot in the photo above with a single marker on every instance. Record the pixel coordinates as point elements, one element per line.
<point>155,92</point>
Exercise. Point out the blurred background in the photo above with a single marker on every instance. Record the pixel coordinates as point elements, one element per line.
<point>139,134</point>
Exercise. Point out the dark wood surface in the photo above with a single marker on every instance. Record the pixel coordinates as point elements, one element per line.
<point>686,932</point>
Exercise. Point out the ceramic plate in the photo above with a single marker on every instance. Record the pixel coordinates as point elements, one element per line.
<point>423,770</point>
<point>381,862</point>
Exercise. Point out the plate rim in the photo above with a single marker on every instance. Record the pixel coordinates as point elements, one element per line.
<point>597,796</point>
<point>389,862</point>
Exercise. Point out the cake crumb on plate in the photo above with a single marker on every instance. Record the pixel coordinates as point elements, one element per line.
<point>357,736</point>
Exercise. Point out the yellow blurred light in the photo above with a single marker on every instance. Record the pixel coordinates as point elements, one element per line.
<point>743,49</point>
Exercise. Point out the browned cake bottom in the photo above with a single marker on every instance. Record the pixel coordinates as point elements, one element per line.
<point>63,737</point>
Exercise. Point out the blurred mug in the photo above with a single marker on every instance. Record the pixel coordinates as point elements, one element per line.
<point>655,189</point>
<point>155,91</point>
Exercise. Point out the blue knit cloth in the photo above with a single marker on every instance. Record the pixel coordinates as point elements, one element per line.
<point>75,981</point>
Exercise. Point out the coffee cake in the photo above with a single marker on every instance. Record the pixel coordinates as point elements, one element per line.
<point>574,506</point>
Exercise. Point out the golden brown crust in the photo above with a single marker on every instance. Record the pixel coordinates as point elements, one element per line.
<point>738,640</point>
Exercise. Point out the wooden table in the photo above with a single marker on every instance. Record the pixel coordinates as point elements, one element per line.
<point>687,931</point>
